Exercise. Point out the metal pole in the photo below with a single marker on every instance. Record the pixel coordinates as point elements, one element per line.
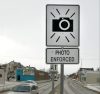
<point>62,79</point>
<point>52,83</point>
<point>99,42</point>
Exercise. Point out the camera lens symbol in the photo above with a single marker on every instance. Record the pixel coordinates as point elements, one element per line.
<point>64,24</point>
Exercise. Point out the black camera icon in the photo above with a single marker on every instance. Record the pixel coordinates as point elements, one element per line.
<point>62,25</point>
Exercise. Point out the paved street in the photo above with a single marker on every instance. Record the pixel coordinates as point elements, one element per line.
<point>70,87</point>
<point>74,87</point>
<point>44,88</point>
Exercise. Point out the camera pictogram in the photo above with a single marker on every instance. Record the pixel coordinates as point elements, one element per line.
<point>62,25</point>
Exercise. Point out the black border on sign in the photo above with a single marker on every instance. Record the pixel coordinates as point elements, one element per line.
<point>78,25</point>
<point>62,63</point>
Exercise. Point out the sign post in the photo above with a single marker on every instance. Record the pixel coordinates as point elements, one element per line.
<point>53,71</point>
<point>62,30</point>
<point>52,83</point>
<point>62,79</point>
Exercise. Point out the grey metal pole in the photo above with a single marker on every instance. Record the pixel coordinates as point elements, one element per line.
<point>52,83</point>
<point>99,42</point>
<point>62,79</point>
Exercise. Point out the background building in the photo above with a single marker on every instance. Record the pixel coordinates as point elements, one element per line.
<point>82,71</point>
<point>31,73</point>
<point>92,77</point>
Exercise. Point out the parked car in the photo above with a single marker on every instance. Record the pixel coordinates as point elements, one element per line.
<point>24,88</point>
<point>31,82</point>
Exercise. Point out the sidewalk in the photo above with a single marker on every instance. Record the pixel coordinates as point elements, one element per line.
<point>94,87</point>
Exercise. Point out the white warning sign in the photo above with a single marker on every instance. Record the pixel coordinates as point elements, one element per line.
<point>64,56</point>
<point>62,25</point>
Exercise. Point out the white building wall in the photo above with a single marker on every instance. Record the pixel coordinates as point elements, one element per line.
<point>93,77</point>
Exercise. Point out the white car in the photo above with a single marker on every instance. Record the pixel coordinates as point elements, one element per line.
<point>31,82</point>
<point>24,89</point>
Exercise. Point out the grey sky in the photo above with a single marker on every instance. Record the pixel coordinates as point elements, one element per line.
<point>22,32</point>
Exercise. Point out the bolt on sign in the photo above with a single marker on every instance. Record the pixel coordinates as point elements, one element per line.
<point>62,25</point>
<point>64,56</point>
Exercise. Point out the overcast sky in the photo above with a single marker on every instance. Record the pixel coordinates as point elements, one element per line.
<point>22,32</point>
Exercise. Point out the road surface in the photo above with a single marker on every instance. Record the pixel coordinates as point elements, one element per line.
<point>70,87</point>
